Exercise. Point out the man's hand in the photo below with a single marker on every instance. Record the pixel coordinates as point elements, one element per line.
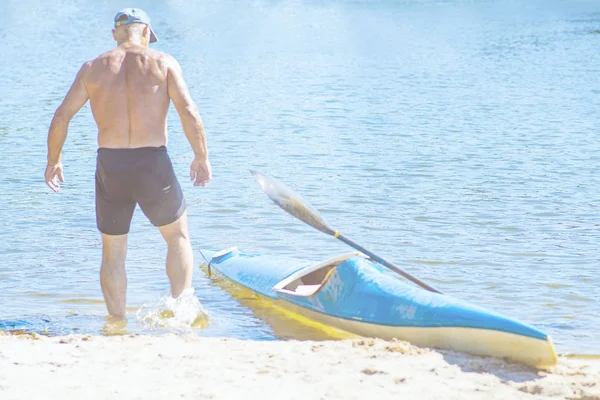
<point>53,171</point>
<point>200,172</point>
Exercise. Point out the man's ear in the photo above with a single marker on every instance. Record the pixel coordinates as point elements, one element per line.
<point>114,33</point>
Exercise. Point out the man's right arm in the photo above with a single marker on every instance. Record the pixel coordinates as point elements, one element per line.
<point>200,170</point>
<point>57,134</point>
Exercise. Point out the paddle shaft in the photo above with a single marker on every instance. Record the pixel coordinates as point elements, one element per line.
<point>291,203</point>
<point>385,263</point>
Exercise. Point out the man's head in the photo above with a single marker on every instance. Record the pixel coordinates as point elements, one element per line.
<point>133,24</point>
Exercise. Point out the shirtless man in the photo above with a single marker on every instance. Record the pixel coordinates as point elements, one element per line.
<point>130,89</point>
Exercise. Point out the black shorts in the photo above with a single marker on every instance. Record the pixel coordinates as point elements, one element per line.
<point>144,176</point>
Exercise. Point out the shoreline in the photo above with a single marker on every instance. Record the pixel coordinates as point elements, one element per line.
<point>188,366</point>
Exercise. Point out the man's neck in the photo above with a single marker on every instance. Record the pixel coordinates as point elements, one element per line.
<point>130,42</point>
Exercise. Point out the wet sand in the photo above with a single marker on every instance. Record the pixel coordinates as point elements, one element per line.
<point>175,366</point>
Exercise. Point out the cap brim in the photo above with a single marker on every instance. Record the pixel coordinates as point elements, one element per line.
<point>153,37</point>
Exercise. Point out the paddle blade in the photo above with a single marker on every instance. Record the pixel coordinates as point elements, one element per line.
<point>291,202</point>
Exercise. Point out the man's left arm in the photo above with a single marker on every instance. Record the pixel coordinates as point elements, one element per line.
<point>57,134</point>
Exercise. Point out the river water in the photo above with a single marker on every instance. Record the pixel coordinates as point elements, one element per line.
<point>458,139</point>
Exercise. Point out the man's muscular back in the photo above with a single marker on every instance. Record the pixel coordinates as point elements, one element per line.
<point>130,88</point>
<point>128,91</point>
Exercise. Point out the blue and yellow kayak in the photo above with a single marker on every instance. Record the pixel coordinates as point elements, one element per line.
<point>357,295</point>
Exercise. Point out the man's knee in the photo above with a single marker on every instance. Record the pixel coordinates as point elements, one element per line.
<point>114,248</point>
<point>176,232</point>
<point>177,238</point>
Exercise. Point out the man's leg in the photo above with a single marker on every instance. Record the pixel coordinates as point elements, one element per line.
<point>113,278</point>
<point>180,257</point>
<point>114,209</point>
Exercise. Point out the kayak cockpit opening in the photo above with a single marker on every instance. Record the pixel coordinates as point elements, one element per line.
<point>309,284</point>
<point>309,280</point>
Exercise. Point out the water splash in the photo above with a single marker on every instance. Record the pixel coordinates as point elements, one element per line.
<point>180,315</point>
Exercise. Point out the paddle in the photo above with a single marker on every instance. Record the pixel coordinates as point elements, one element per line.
<point>292,203</point>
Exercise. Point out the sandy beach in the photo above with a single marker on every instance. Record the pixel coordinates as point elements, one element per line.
<point>176,366</point>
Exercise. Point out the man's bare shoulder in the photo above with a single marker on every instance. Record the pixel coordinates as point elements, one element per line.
<point>103,59</point>
<point>166,58</point>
